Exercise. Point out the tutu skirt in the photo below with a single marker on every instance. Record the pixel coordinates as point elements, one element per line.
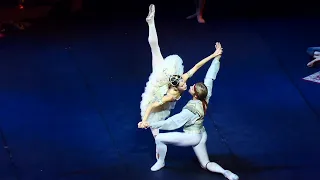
<point>157,87</point>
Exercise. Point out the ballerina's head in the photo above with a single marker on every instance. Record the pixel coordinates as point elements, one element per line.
<point>177,82</point>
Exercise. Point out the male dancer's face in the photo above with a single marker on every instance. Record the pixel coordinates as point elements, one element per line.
<point>191,90</point>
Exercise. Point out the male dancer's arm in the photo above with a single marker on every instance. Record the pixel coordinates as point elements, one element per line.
<point>176,121</point>
<point>212,75</point>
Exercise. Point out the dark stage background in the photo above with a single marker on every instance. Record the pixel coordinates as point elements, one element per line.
<point>71,84</point>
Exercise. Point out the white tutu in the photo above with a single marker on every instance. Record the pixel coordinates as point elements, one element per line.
<point>157,87</point>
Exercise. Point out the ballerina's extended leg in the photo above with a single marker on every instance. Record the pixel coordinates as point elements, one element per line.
<point>153,38</point>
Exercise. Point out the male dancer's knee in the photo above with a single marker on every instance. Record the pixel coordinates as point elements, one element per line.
<point>161,139</point>
<point>157,138</point>
<point>155,132</point>
<point>204,165</point>
<point>203,160</point>
<point>161,149</point>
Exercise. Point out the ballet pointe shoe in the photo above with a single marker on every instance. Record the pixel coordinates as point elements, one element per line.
<point>151,14</point>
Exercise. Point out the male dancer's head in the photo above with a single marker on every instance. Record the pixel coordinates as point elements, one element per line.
<point>199,91</point>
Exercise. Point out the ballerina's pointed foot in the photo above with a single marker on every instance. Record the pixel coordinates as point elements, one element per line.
<point>151,14</point>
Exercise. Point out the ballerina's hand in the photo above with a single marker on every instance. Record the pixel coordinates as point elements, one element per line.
<point>143,125</point>
<point>140,124</point>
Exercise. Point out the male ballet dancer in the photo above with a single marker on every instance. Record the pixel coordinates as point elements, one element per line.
<point>199,11</point>
<point>191,117</point>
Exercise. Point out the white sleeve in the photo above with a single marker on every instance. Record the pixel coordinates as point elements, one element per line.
<point>211,76</point>
<point>176,121</point>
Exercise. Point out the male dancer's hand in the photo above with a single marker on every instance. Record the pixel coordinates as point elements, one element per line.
<point>219,49</point>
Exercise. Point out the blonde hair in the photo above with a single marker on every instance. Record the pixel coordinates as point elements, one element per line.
<point>201,92</point>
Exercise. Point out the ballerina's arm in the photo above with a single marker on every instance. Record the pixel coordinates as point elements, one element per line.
<point>196,67</point>
<point>156,104</point>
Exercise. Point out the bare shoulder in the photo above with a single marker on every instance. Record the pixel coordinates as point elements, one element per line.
<point>173,93</point>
